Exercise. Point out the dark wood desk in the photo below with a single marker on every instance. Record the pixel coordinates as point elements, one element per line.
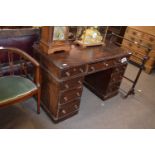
<point>63,74</point>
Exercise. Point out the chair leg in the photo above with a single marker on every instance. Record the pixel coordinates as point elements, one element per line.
<point>38,102</point>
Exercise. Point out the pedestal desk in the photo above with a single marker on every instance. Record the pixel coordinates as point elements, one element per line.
<point>63,74</point>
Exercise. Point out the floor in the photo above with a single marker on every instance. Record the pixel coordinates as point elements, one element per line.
<point>137,111</point>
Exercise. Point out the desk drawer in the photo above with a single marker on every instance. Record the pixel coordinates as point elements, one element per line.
<point>70,95</point>
<point>101,65</point>
<point>74,83</point>
<point>66,109</point>
<point>73,71</point>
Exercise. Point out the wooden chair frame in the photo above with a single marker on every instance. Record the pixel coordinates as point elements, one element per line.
<point>36,81</point>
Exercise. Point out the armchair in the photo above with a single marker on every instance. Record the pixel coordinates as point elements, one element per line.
<point>16,88</point>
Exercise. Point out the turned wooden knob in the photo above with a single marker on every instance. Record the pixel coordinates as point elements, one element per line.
<point>78,94</point>
<point>65,98</point>
<point>92,68</point>
<point>76,107</point>
<point>79,82</point>
<point>106,64</point>
<point>81,70</point>
<point>66,86</point>
<point>67,73</point>
<point>64,111</point>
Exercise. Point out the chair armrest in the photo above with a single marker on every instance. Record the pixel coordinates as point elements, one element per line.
<point>21,53</point>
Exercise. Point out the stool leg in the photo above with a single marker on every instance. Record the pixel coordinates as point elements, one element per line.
<point>130,92</point>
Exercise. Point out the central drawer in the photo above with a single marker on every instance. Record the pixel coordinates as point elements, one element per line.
<point>70,95</point>
<point>101,65</point>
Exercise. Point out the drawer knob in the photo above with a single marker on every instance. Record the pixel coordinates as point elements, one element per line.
<point>78,94</point>
<point>64,111</point>
<point>66,86</point>
<point>79,82</point>
<point>65,98</point>
<point>76,107</point>
<point>81,70</point>
<point>92,68</point>
<point>106,64</point>
<point>67,73</point>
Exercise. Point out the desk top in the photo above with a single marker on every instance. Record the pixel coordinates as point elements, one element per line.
<point>78,55</point>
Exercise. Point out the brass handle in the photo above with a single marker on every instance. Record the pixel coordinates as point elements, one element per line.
<point>65,98</point>
<point>92,68</point>
<point>67,73</point>
<point>66,86</point>
<point>81,70</point>
<point>79,82</point>
<point>64,111</point>
<point>78,94</point>
<point>76,107</point>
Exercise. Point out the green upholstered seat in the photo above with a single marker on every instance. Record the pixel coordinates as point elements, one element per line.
<point>12,87</point>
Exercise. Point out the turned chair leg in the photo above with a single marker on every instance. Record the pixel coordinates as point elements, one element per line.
<point>38,102</point>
